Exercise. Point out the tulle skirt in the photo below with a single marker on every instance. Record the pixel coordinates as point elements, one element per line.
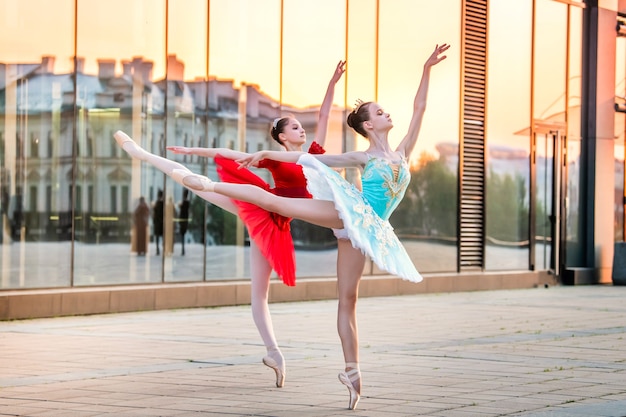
<point>366,230</point>
<point>269,231</point>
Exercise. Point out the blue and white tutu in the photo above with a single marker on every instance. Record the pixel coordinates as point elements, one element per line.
<point>365,214</point>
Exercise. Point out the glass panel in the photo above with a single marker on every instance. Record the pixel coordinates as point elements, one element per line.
<point>362,74</point>
<point>304,85</point>
<point>550,61</point>
<point>118,88</point>
<point>426,218</point>
<point>508,138</point>
<point>550,107</point>
<point>244,91</point>
<point>36,124</point>
<point>187,82</point>
<point>573,207</point>
<point>544,197</point>
<point>361,79</point>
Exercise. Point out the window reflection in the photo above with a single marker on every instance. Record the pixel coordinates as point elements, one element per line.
<point>35,120</point>
<point>425,220</point>
<point>119,86</point>
<point>508,136</point>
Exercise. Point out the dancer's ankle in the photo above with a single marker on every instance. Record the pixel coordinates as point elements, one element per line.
<point>352,365</point>
<point>192,181</point>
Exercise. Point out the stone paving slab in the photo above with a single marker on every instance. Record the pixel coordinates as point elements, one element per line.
<point>558,351</point>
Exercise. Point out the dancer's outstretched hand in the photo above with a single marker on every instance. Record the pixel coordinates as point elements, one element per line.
<point>205,152</point>
<point>179,149</point>
<point>339,70</point>
<point>251,160</point>
<point>436,56</point>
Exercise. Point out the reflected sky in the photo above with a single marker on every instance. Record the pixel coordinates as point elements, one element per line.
<point>244,44</point>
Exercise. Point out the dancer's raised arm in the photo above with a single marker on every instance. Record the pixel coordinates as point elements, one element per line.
<point>419,104</point>
<point>324,115</point>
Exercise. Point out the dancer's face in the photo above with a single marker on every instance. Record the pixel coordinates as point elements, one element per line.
<point>379,119</point>
<point>293,133</point>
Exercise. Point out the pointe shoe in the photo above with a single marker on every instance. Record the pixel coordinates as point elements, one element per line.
<point>280,372</point>
<point>347,378</point>
<point>127,144</point>
<point>194,181</point>
<point>121,138</point>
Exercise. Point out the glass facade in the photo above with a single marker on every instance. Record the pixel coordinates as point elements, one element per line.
<point>216,73</point>
<point>533,134</point>
<point>620,130</point>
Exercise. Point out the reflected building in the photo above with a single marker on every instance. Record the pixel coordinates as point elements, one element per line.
<point>44,148</point>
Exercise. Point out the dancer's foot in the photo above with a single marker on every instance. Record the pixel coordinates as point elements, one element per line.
<point>351,378</point>
<point>125,142</point>
<point>275,360</point>
<point>194,181</point>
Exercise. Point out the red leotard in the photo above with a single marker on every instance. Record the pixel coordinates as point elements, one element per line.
<point>270,231</point>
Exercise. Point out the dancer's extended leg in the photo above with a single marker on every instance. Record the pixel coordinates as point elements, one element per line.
<point>350,263</point>
<point>167,166</point>
<point>319,212</point>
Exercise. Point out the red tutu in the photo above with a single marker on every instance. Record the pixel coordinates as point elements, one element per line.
<point>271,232</point>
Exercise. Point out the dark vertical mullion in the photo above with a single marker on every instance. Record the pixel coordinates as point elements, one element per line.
<point>206,127</point>
<point>344,130</point>
<point>165,117</point>
<point>485,153</point>
<point>460,170</point>
<point>280,58</point>
<point>564,171</point>
<point>74,143</point>
<point>532,215</point>
<point>376,49</point>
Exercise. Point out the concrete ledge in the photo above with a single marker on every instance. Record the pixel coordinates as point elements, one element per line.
<point>24,304</point>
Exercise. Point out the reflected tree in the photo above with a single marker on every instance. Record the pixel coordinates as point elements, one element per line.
<point>507,208</point>
<point>429,206</point>
<point>220,225</point>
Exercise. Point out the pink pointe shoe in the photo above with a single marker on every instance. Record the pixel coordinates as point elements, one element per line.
<point>194,181</point>
<point>348,378</point>
<point>127,144</point>
<point>121,138</point>
<point>280,371</point>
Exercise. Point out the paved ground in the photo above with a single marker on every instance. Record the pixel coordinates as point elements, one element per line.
<point>558,351</point>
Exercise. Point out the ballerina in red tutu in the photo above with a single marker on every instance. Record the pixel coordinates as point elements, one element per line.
<point>271,246</point>
<point>269,231</point>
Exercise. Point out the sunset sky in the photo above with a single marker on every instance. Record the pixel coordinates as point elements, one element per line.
<point>245,46</point>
